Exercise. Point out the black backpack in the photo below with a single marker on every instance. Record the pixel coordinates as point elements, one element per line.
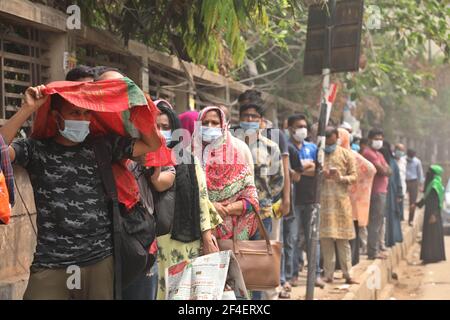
<point>133,231</point>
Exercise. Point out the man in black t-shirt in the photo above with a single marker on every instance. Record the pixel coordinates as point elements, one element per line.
<point>304,195</point>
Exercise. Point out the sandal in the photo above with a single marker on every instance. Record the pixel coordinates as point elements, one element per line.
<point>284,295</point>
<point>287,287</point>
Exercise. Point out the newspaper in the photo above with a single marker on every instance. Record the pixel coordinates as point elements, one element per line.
<point>205,277</point>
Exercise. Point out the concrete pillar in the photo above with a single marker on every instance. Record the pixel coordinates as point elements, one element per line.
<point>136,71</point>
<point>183,99</point>
<point>58,45</point>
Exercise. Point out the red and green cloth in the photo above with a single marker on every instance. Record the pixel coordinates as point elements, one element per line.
<point>119,106</point>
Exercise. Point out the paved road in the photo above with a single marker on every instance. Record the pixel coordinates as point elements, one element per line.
<point>424,282</point>
<point>436,280</point>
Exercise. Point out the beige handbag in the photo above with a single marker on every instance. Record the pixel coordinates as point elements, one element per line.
<point>259,259</point>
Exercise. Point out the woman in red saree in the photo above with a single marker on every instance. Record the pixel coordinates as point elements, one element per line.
<point>230,182</point>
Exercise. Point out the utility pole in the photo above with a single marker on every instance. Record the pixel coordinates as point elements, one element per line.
<point>323,121</point>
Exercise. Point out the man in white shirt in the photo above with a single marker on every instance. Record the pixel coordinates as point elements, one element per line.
<point>400,157</point>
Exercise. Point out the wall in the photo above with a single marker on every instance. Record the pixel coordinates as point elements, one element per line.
<point>18,240</point>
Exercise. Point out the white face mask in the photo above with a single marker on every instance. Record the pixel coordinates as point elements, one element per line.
<point>377,144</point>
<point>300,134</point>
<point>210,134</point>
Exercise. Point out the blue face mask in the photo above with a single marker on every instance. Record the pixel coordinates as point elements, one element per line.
<point>75,130</point>
<point>167,134</point>
<point>399,154</point>
<point>249,125</point>
<point>331,148</point>
<point>210,134</point>
<point>356,147</point>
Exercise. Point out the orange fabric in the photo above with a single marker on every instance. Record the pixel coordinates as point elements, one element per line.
<point>361,190</point>
<point>5,208</point>
<point>118,107</point>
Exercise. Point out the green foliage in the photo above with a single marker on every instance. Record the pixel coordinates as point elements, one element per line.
<point>207,32</point>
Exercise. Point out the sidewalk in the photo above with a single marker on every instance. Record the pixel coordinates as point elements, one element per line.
<point>373,275</point>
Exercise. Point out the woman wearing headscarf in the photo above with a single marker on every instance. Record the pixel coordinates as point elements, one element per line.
<point>393,229</point>
<point>187,120</point>
<point>433,248</point>
<point>194,217</point>
<point>359,192</point>
<point>230,182</point>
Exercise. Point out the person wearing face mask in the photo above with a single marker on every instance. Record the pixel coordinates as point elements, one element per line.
<point>400,158</point>
<point>392,231</point>
<point>283,200</point>
<point>379,192</point>
<point>230,183</point>
<point>151,181</point>
<point>297,227</point>
<point>194,219</point>
<point>239,144</point>
<point>433,246</point>
<point>414,179</point>
<point>336,215</point>
<point>73,220</point>
<point>359,197</point>
<point>269,174</point>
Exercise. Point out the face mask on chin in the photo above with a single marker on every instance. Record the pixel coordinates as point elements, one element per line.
<point>75,130</point>
<point>330,148</point>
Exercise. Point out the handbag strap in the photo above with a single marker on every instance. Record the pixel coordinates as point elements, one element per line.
<point>262,230</point>
<point>103,156</point>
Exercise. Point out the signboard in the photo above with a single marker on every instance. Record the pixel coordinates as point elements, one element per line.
<point>346,24</point>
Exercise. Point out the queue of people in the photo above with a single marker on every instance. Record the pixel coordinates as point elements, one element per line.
<point>219,179</point>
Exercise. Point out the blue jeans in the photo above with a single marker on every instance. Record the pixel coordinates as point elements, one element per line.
<point>267,222</point>
<point>303,214</point>
<point>290,231</point>
<point>143,288</point>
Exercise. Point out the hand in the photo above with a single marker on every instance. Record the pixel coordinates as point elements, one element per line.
<point>296,176</point>
<point>34,98</point>
<point>221,209</point>
<point>156,174</point>
<point>388,171</point>
<point>141,160</point>
<point>399,199</point>
<point>432,220</point>
<point>336,176</point>
<point>285,207</point>
<point>209,244</point>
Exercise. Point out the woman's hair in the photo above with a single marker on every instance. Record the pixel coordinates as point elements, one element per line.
<point>386,151</point>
